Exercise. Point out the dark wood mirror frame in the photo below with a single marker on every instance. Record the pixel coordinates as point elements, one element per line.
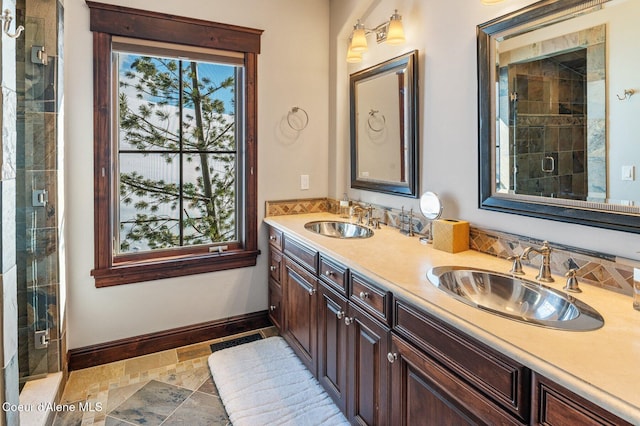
<point>410,187</point>
<point>486,129</point>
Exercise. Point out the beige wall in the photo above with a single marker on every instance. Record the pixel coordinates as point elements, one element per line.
<point>301,64</point>
<point>445,34</point>
<point>293,71</point>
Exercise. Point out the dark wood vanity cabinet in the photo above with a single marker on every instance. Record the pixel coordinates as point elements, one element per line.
<point>275,277</point>
<point>385,361</point>
<point>440,373</point>
<point>553,405</point>
<point>299,324</point>
<point>332,344</point>
<point>425,392</point>
<point>368,369</point>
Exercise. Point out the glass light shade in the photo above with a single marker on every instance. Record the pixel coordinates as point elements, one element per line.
<point>353,57</point>
<point>395,32</point>
<point>359,39</point>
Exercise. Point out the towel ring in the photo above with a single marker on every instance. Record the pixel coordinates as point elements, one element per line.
<point>376,122</point>
<point>627,94</point>
<point>301,120</point>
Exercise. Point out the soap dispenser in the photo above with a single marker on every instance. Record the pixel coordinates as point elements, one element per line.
<point>344,207</point>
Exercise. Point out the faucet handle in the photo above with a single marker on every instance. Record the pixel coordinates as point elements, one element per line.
<point>516,267</point>
<point>572,281</point>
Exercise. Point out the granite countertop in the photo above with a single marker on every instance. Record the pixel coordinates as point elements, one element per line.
<point>601,365</point>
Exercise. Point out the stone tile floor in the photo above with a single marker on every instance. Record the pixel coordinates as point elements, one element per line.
<point>172,387</point>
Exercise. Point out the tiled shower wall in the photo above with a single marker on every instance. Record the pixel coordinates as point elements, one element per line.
<point>8,301</point>
<point>598,269</point>
<point>558,120</point>
<point>549,128</point>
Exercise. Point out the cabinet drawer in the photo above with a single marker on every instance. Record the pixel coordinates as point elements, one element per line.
<point>500,378</point>
<point>275,265</point>
<point>275,238</point>
<point>334,274</point>
<point>369,297</point>
<point>554,405</point>
<point>305,256</point>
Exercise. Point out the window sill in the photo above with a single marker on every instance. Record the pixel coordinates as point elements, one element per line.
<point>156,269</point>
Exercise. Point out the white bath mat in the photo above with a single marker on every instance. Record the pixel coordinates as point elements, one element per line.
<point>264,383</point>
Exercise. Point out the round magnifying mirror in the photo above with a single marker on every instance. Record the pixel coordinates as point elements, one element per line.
<point>431,208</point>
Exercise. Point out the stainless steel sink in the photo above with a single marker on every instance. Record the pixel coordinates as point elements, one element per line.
<point>337,229</point>
<point>515,298</point>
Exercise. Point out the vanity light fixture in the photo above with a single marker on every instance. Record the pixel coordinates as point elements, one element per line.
<point>490,2</point>
<point>352,56</point>
<point>390,32</point>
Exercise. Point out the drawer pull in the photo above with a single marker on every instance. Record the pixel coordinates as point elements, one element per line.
<point>272,308</point>
<point>340,315</point>
<point>312,291</point>
<point>329,273</point>
<point>272,237</point>
<point>272,268</point>
<point>364,295</point>
<point>391,357</point>
<point>348,320</point>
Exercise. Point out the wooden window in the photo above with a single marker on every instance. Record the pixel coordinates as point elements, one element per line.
<point>175,158</point>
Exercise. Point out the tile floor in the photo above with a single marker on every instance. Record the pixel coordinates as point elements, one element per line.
<point>172,387</point>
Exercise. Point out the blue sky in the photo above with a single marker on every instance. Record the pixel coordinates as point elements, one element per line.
<point>215,72</point>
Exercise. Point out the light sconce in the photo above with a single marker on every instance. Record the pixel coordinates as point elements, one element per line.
<point>390,32</point>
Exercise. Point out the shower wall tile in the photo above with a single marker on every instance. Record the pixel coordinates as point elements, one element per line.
<point>8,132</point>
<point>42,258</point>
<point>9,313</point>
<point>10,394</point>
<point>40,141</point>
<point>8,188</point>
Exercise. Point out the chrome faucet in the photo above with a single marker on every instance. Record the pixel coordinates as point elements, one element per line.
<point>365,215</point>
<point>545,266</point>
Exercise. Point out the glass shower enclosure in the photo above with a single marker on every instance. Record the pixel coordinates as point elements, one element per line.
<point>38,84</point>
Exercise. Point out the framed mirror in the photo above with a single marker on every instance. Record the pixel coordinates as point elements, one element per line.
<point>384,129</point>
<point>557,133</point>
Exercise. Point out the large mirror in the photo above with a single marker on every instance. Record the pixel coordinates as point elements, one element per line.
<point>559,101</point>
<point>384,141</point>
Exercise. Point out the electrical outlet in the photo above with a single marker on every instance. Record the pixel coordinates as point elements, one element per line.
<point>304,182</point>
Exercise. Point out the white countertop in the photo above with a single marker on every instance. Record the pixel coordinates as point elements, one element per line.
<point>601,365</point>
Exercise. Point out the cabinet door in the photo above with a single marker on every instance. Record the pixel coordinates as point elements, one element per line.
<point>275,303</point>
<point>426,393</point>
<point>300,326</point>
<point>332,345</point>
<point>368,369</point>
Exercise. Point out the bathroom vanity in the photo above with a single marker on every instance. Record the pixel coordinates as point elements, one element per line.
<point>390,348</point>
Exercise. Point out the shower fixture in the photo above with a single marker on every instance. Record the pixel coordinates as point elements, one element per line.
<point>7,18</point>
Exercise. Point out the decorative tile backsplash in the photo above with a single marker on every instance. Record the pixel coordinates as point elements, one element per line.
<point>599,269</point>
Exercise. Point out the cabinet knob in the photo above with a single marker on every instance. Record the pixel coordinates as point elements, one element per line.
<point>340,315</point>
<point>312,291</point>
<point>364,295</point>
<point>272,268</point>
<point>348,320</point>
<point>329,273</point>
<point>391,357</point>
<point>272,237</point>
<point>272,308</point>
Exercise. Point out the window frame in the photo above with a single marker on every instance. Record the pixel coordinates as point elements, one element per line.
<point>107,21</point>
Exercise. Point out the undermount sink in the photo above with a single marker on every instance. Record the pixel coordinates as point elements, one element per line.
<point>338,229</point>
<point>515,298</point>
